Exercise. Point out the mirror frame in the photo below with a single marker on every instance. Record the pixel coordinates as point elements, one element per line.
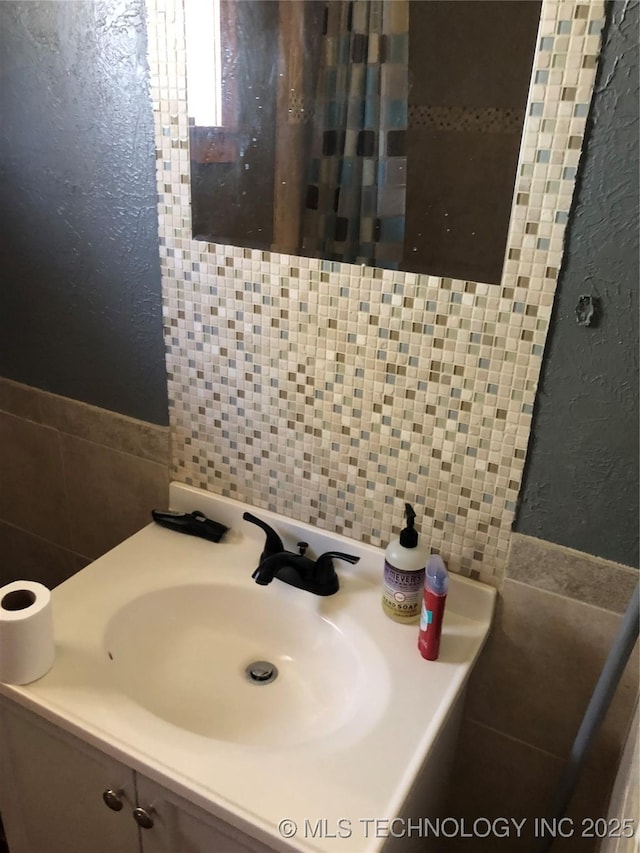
<point>271,210</point>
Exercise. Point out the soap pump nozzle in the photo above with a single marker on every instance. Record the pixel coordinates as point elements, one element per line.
<point>409,536</point>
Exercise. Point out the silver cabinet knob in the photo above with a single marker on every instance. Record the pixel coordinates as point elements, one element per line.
<point>144,817</point>
<point>113,799</point>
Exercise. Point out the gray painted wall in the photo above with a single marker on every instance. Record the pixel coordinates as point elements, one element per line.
<point>80,295</point>
<point>581,484</point>
<point>80,303</point>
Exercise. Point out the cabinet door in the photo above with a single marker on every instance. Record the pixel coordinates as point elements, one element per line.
<point>181,827</point>
<point>51,788</point>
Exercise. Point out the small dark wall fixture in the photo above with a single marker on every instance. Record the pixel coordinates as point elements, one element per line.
<point>586,311</point>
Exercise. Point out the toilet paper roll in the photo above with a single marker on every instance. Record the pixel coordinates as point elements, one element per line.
<point>26,632</point>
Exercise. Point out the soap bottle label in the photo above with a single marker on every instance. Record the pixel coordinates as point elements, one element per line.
<point>402,593</point>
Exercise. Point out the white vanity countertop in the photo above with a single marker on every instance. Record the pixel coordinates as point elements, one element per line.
<point>363,770</point>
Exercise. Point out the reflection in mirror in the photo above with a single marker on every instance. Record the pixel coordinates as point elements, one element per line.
<point>378,132</point>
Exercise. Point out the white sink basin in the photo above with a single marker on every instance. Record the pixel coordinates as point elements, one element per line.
<point>182,653</point>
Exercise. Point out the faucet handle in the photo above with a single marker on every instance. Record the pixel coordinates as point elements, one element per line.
<point>326,576</point>
<point>273,543</point>
<point>337,555</point>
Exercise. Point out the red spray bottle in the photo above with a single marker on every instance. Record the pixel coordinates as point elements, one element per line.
<point>434,596</point>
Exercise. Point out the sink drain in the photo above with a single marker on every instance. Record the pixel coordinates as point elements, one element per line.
<point>261,672</point>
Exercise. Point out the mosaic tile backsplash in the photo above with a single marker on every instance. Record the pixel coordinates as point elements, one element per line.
<point>332,393</point>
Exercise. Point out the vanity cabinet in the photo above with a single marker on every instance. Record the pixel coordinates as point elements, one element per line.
<point>58,793</point>
<point>181,827</point>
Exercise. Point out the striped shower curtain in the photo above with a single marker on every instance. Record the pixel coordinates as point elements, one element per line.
<point>355,199</point>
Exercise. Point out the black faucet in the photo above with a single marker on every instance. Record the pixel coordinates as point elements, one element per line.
<point>318,577</point>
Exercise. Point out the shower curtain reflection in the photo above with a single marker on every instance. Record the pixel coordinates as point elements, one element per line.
<point>356,184</point>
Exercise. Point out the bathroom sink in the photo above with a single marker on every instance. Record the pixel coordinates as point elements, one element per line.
<point>153,641</point>
<point>220,660</point>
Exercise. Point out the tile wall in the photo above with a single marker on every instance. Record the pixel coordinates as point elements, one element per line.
<point>553,628</point>
<point>332,393</point>
<point>76,481</point>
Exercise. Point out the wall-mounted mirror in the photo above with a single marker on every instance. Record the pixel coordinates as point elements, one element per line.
<point>380,132</point>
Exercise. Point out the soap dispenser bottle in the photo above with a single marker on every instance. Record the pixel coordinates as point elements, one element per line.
<point>404,562</point>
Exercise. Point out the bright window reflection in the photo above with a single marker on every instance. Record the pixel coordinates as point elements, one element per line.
<point>204,63</point>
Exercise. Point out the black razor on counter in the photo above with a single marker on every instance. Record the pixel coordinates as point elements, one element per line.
<point>193,523</point>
